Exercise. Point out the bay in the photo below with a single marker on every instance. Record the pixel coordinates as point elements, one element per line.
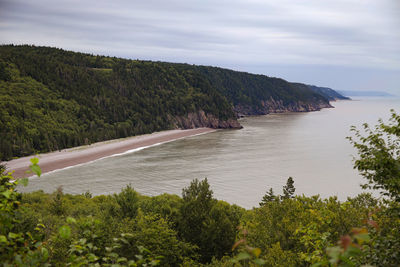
<point>241,165</point>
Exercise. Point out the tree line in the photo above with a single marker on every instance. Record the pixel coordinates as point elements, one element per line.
<point>51,99</point>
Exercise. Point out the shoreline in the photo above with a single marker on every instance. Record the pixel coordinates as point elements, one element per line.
<point>71,157</point>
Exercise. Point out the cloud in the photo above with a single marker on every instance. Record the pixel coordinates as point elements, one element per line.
<point>243,34</point>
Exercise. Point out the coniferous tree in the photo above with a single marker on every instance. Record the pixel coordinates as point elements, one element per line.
<point>128,201</point>
<point>205,222</point>
<point>57,206</point>
<point>268,197</point>
<point>288,189</point>
<point>197,203</point>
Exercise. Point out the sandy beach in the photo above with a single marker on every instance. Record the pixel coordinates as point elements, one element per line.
<point>83,154</point>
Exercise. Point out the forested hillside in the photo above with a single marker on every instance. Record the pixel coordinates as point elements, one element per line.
<point>253,94</point>
<point>52,99</point>
<point>329,93</point>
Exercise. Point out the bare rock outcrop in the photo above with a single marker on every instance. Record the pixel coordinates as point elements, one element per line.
<point>201,119</point>
<point>277,106</point>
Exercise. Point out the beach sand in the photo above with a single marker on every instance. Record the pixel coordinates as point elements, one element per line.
<point>83,154</point>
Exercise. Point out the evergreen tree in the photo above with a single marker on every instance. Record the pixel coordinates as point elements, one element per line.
<point>205,222</point>
<point>288,189</point>
<point>128,201</point>
<point>197,203</point>
<point>268,197</point>
<point>57,206</point>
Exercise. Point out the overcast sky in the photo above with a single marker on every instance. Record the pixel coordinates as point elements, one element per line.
<point>343,44</point>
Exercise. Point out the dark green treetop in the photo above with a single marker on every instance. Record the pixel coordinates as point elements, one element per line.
<point>288,189</point>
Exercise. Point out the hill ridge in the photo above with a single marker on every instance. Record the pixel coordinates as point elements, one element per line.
<point>53,99</point>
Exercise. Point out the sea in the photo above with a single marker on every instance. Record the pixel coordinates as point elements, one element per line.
<point>240,165</point>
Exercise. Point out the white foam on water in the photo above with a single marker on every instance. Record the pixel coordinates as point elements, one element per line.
<point>117,155</point>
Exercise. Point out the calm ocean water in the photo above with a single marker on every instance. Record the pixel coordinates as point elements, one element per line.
<point>241,165</point>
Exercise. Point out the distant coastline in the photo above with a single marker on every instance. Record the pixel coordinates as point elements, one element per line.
<point>83,154</point>
<point>365,93</point>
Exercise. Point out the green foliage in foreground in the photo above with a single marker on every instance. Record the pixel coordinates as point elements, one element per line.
<point>173,231</point>
<point>128,229</point>
<point>78,230</point>
<point>379,160</point>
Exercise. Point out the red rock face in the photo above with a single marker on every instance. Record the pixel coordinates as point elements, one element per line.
<point>277,106</point>
<point>201,119</point>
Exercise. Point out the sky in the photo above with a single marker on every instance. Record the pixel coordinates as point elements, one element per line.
<point>342,44</point>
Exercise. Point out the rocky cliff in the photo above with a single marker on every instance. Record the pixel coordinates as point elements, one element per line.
<point>278,106</point>
<point>201,119</point>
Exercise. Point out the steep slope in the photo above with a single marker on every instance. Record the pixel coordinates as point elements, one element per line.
<point>328,93</point>
<point>253,94</point>
<point>53,99</point>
